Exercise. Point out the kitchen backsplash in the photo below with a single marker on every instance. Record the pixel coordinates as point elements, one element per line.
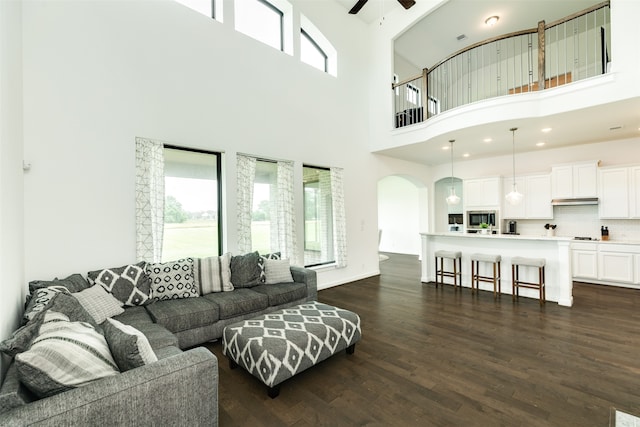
<point>582,220</point>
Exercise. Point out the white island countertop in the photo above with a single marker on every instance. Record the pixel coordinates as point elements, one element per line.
<point>555,250</point>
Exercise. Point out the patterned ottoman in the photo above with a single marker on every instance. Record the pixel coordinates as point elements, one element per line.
<point>276,346</point>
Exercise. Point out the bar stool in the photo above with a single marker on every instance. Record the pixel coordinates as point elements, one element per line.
<point>516,263</point>
<point>457,268</point>
<point>476,277</point>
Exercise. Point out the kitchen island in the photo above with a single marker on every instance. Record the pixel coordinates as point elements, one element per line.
<point>555,250</point>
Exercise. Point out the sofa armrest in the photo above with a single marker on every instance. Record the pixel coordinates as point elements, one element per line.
<point>309,278</point>
<point>178,390</point>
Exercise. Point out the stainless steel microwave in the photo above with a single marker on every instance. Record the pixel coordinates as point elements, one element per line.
<point>475,218</point>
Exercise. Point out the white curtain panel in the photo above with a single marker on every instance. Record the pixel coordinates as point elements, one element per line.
<point>149,199</point>
<point>286,217</point>
<point>245,177</point>
<point>339,217</point>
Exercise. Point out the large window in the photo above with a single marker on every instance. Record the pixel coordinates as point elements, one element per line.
<point>261,20</point>
<point>210,8</point>
<point>311,53</point>
<point>192,204</point>
<point>318,217</point>
<point>264,206</point>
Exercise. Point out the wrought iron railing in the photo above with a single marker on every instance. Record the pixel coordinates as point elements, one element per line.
<point>570,49</point>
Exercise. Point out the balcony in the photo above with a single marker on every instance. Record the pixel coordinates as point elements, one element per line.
<point>568,50</point>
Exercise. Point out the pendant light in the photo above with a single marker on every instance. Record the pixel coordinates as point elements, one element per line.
<point>514,197</point>
<point>452,198</point>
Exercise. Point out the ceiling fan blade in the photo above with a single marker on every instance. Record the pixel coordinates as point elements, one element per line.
<point>356,8</point>
<point>407,3</point>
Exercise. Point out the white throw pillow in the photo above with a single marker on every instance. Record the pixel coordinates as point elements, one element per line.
<point>99,303</point>
<point>213,274</point>
<point>277,271</point>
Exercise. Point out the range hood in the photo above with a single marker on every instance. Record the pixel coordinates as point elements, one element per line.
<point>575,201</point>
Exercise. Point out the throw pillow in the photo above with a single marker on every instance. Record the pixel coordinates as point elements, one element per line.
<point>263,275</point>
<point>39,300</point>
<point>130,283</point>
<point>213,274</point>
<point>129,347</point>
<point>172,280</point>
<point>99,303</point>
<point>74,283</point>
<point>245,270</point>
<point>278,271</point>
<point>63,356</point>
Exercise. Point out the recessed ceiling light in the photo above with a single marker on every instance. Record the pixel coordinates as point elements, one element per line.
<point>492,20</point>
<point>445,147</point>
<point>487,140</point>
<point>540,144</point>
<point>546,130</point>
<point>465,155</point>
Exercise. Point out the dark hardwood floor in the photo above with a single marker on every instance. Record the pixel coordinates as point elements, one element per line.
<point>436,357</point>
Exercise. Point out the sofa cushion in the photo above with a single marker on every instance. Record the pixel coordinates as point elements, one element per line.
<point>282,293</point>
<point>183,314</point>
<point>172,280</point>
<point>74,283</point>
<point>240,301</point>
<point>129,283</point>
<point>63,356</point>
<point>213,274</point>
<point>134,316</point>
<point>99,303</point>
<point>277,271</point>
<point>168,351</point>
<point>13,393</point>
<point>158,336</point>
<point>245,270</point>
<point>263,274</point>
<point>129,347</point>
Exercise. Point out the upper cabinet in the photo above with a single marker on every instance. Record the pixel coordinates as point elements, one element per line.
<point>574,180</point>
<point>536,203</point>
<point>619,192</point>
<point>483,193</point>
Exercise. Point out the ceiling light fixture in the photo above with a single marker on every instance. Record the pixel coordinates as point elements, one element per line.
<point>540,144</point>
<point>487,140</point>
<point>546,130</point>
<point>514,197</point>
<point>492,20</point>
<point>452,198</point>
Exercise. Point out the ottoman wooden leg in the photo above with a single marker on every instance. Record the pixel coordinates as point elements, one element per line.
<point>351,349</point>
<point>232,364</point>
<point>274,391</point>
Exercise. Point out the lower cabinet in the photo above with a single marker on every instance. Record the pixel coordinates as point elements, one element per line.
<point>585,264</point>
<point>615,266</point>
<point>606,263</point>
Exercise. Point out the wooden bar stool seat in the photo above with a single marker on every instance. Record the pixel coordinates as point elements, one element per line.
<point>539,263</point>
<point>476,277</point>
<point>456,257</point>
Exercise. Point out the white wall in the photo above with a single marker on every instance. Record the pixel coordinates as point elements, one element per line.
<point>399,214</point>
<point>117,70</point>
<point>12,286</point>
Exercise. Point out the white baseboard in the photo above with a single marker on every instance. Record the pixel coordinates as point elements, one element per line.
<point>328,285</point>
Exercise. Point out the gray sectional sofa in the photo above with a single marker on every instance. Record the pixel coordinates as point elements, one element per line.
<point>181,388</point>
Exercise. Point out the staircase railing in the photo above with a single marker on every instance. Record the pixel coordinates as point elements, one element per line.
<point>570,49</point>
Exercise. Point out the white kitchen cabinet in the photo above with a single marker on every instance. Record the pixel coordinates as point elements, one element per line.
<point>615,266</point>
<point>634,191</point>
<point>584,260</point>
<point>636,267</point>
<point>574,180</point>
<point>536,203</point>
<point>482,193</point>
<point>614,192</point>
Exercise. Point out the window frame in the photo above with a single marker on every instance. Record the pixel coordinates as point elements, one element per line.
<point>218,157</point>
<point>280,14</point>
<point>304,210</point>
<point>306,35</point>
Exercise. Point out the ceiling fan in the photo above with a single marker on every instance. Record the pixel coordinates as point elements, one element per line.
<point>356,8</point>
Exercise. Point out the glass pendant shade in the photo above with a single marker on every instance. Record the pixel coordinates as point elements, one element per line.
<point>514,197</point>
<point>452,198</point>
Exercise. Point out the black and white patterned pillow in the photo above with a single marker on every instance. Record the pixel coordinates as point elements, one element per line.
<point>130,283</point>
<point>39,300</point>
<point>80,352</point>
<point>172,280</point>
<point>213,274</point>
<point>99,303</point>
<point>263,274</point>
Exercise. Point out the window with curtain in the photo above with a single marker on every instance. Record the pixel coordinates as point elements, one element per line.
<point>192,206</point>
<point>322,245</point>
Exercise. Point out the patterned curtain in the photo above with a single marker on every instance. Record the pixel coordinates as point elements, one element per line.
<point>246,174</point>
<point>149,199</point>
<point>339,217</point>
<point>286,216</point>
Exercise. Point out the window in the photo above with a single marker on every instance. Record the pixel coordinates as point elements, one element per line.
<point>413,94</point>
<point>318,217</point>
<point>396,79</point>
<point>311,53</point>
<point>192,221</point>
<point>261,20</point>
<point>264,205</point>
<point>210,8</point>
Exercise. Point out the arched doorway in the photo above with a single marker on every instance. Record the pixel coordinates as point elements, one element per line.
<point>441,209</point>
<point>402,214</point>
